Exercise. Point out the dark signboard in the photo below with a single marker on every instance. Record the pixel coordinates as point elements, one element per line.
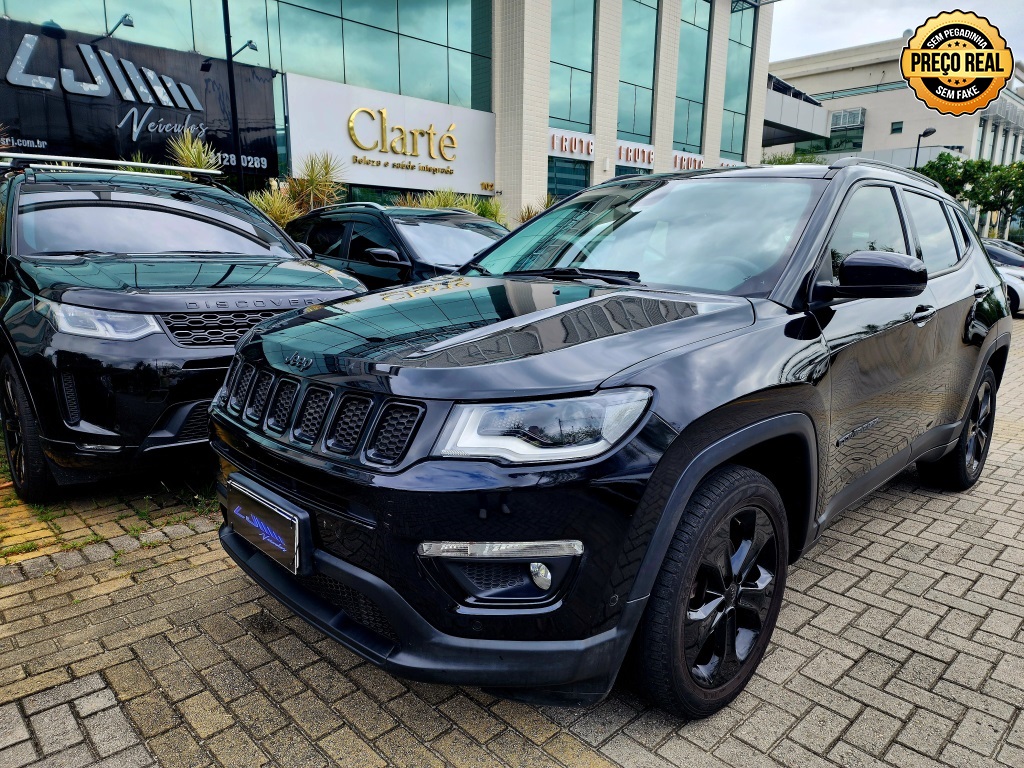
<point>66,93</point>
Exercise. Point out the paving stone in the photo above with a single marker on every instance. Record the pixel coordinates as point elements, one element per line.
<point>55,729</point>
<point>62,694</point>
<point>18,755</point>
<point>205,714</point>
<point>12,726</point>
<point>110,732</point>
<point>95,702</point>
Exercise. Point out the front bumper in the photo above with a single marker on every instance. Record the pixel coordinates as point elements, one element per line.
<point>405,644</point>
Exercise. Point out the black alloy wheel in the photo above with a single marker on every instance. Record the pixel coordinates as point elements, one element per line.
<point>730,596</point>
<point>961,468</point>
<point>21,437</point>
<point>717,597</point>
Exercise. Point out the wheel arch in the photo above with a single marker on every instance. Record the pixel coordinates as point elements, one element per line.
<point>782,447</point>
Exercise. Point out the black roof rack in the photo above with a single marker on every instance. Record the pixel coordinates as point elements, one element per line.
<point>845,162</point>
<point>20,161</point>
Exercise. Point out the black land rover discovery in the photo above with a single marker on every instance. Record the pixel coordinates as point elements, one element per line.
<point>615,428</point>
<point>123,295</point>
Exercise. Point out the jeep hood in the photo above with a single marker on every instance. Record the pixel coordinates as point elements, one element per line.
<point>489,337</point>
<point>179,283</point>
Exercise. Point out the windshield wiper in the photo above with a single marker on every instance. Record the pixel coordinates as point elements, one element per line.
<point>613,276</point>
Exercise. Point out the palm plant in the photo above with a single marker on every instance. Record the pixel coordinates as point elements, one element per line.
<point>527,212</point>
<point>317,183</point>
<point>188,150</point>
<point>491,208</point>
<point>276,204</point>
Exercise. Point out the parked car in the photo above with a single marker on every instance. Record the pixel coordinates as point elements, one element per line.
<point>615,427</point>
<point>1010,264</point>
<point>387,245</point>
<point>123,297</point>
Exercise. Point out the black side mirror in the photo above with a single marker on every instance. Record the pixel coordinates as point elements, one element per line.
<point>880,275</point>
<point>305,250</point>
<point>386,257</point>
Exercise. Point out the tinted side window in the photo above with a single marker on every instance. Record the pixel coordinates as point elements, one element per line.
<point>938,250</point>
<point>968,230</point>
<point>326,237</point>
<point>366,234</point>
<point>870,222</point>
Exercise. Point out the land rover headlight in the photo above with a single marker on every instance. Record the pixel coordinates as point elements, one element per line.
<point>100,323</point>
<point>544,430</point>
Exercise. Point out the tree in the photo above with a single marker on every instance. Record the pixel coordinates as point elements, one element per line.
<point>948,170</point>
<point>999,189</point>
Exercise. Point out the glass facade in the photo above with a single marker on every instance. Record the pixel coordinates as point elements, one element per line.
<point>636,69</point>
<point>691,76</point>
<point>431,49</point>
<point>566,176</point>
<point>628,170</point>
<point>572,64</point>
<point>737,82</point>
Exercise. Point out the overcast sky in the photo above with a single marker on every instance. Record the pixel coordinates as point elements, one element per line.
<point>802,27</point>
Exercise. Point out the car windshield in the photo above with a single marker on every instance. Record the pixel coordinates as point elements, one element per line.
<point>445,239</point>
<point>1003,256</point>
<point>723,235</point>
<point>53,220</point>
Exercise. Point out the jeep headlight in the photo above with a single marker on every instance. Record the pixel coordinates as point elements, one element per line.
<point>544,430</point>
<point>100,323</point>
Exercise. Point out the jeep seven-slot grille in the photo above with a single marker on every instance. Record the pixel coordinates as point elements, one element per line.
<point>281,405</point>
<point>258,398</point>
<point>342,419</point>
<point>209,329</point>
<point>349,424</point>
<point>240,388</point>
<point>394,431</point>
<point>312,415</point>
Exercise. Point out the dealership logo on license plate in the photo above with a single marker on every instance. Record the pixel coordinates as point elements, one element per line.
<point>269,535</point>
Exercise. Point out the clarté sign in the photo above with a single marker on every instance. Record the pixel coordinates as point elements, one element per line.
<point>957,63</point>
<point>65,92</point>
<point>392,141</point>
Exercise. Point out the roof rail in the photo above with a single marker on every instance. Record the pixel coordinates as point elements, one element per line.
<point>39,167</point>
<point>19,160</point>
<point>332,206</point>
<point>845,162</point>
<point>456,209</point>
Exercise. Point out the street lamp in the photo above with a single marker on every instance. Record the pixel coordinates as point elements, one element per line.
<point>248,44</point>
<point>923,134</point>
<point>127,20</point>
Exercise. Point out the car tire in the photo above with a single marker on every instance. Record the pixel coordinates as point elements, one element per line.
<point>960,469</point>
<point>707,623</point>
<point>22,443</point>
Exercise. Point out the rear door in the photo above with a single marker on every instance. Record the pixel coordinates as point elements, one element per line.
<point>327,238</point>
<point>960,281</point>
<point>882,353</point>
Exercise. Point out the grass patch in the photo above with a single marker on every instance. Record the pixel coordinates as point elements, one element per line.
<point>118,556</point>
<point>136,530</point>
<point>150,544</point>
<point>122,516</point>
<point>10,501</point>
<point>19,549</point>
<point>70,546</point>
<point>44,513</point>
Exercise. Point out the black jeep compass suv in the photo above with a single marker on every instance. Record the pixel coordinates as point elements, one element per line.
<point>123,295</point>
<point>615,428</point>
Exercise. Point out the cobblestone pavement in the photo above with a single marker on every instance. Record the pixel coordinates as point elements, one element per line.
<point>900,644</point>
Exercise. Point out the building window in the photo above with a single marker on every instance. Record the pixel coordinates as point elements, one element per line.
<point>628,170</point>
<point>572,64</point>
<point>636,69</point>
<point>691,76</point>
<point>896,128</point>
<point>737,80</point>
<point>981,138</point>
<point>566,176</point>
<point>846,134</point>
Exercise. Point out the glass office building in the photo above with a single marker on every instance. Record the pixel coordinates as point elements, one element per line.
<point>622,86</point>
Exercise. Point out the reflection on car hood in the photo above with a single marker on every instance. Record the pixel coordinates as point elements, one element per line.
<point>149,282</point>
<point>501,335</point>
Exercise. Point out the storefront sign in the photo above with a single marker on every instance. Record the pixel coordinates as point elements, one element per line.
<point>686,161</point>
<point>635,155</point>
<point>68,93</point>
<point>571,144</point>
<point>387,140</point>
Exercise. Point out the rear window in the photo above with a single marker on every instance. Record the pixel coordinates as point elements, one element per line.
<point>54,220</point>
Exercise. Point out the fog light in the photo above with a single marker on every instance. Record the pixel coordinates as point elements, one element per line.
<point>541,575</point>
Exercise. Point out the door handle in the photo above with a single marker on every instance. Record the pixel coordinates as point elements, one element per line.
<point>923,314</point>
<point>981,291</point>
